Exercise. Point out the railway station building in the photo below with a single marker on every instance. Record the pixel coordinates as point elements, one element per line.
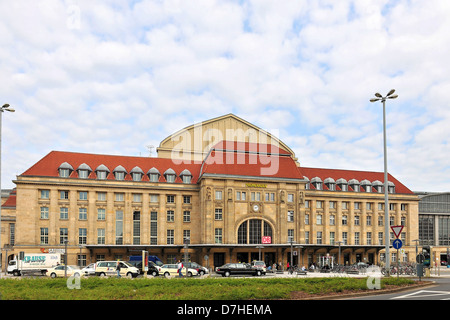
<point>223,190</point>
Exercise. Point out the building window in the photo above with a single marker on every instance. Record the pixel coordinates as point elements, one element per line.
<point>119,173</point>
<point>64,213</point>
<point>332,220</point>
<point>82,213</point>
<point>187,236</point>
<point>82,236</point>
<point>170,199</point>
<point>380,238</point>
<point>64,195</point>
<point>332,205</point>
<point>65,170</point>
<point>290,197</point>
<point>119,196</point>
<point>319,219</point>
<point>356,220</point>
<point>12,234</point>
<point>119,227</point>
<point>218,214</point>
<point>319,237</point>
<point>290,216</point>
<point>319,204</point>
<point>317,183</point>
<point>344,220</point>
<point>344,238</point>
<point>136,227</point>
<point>44,235</point>
<point>369,238</point>
<point>270,196</point>
<point>218,195</point>
<point>306,237</point>
<point>186,216</point>
<point>332,238</point>
<point>63,235</point>
<point>137,197</point>
<point>218,235</point>
<point>82,195</point>
<point>102,172</point>
<point>170,216</point>
<point>307,219</point>
<point>369,206</point>
<point>252,231</point>
<point>187,199</point>
<point>357,205</point>
<point>136,174</point>
<point>44,212</point>
<point>153,198</point>
<point>357,238</point>
<point>255,196</point>
<point>170,175</point>
<point>170,236</point>
<point>101,196</point>
<point>368,220</point>
<point>186,176</point>
<point>290,235</point>
<point>45,194</point>
<point>154,228</point>
<point>101,236</point>
<point>101,214</point>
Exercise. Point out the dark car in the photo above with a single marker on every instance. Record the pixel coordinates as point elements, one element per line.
<point>239,268</point>
<point>153,269</point>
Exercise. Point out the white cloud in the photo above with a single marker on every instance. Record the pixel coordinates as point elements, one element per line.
<point>116,76</point>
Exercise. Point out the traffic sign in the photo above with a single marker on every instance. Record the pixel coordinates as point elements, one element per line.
<point>397,230</point>
<point>397,244</point>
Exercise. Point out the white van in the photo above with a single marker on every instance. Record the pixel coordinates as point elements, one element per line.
<point>109,268</point>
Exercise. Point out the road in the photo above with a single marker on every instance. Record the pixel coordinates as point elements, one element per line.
<point>439,291</point>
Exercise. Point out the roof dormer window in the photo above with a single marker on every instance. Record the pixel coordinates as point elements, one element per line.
<point>65,170</point>
<point>137,174</point>
<point>366,185</point>
<point>391,187</point>
<point>342,184</point>
<point>331,184</point>
<point>170,175</point>
<point>102,172</point>
<point>354,184</point>
<point>308,184</point>
<point>317,183</point>
<point>186,176</point>
<point>83,171</point>
<point>119,173</point>
<point>378,186</point>
<point>153,174</point>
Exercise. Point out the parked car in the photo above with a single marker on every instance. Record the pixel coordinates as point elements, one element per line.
<point>239,268</point>
<point>89,270</point>
<point>259,264</point>
<point>172,270</point>
<point>200,269</point>
<point>59,271</point>
<point>153,269</point>
<point>108,268</point>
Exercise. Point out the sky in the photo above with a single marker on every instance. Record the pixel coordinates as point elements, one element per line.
<point>116,77</point>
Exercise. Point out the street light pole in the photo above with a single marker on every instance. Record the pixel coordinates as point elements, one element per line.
<point>379,97</point>
<point>4,108</point>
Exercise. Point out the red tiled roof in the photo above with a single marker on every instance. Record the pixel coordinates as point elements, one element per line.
<point>252,147</point>
<point>11,201</point>
<point>336,174</point>
<point>48,166</point>
<point>250,163</point>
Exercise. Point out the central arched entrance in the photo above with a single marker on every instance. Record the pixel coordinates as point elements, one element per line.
<point>251,232</point>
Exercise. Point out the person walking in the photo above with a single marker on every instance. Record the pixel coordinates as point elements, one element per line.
<point>180,268</point>
<point>118,270</point>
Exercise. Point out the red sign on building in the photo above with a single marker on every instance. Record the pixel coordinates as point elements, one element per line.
<point>267,240</point>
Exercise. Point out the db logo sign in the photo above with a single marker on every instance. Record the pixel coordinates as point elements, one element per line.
<point>266,240</point>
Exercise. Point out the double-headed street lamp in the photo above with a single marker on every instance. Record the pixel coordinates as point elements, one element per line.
<point>379,97</point>
<point>5,107</point>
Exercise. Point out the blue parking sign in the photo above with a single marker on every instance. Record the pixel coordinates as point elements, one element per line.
<point>397,244</point>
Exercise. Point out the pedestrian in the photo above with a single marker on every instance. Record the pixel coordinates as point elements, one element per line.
<point>118,269</point>
<point>180,268</point>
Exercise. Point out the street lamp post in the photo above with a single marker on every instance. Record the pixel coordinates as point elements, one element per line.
<point>4,108</point>
<point>379,97</point>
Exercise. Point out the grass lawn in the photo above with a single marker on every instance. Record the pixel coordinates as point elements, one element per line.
<point>94,288</point>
